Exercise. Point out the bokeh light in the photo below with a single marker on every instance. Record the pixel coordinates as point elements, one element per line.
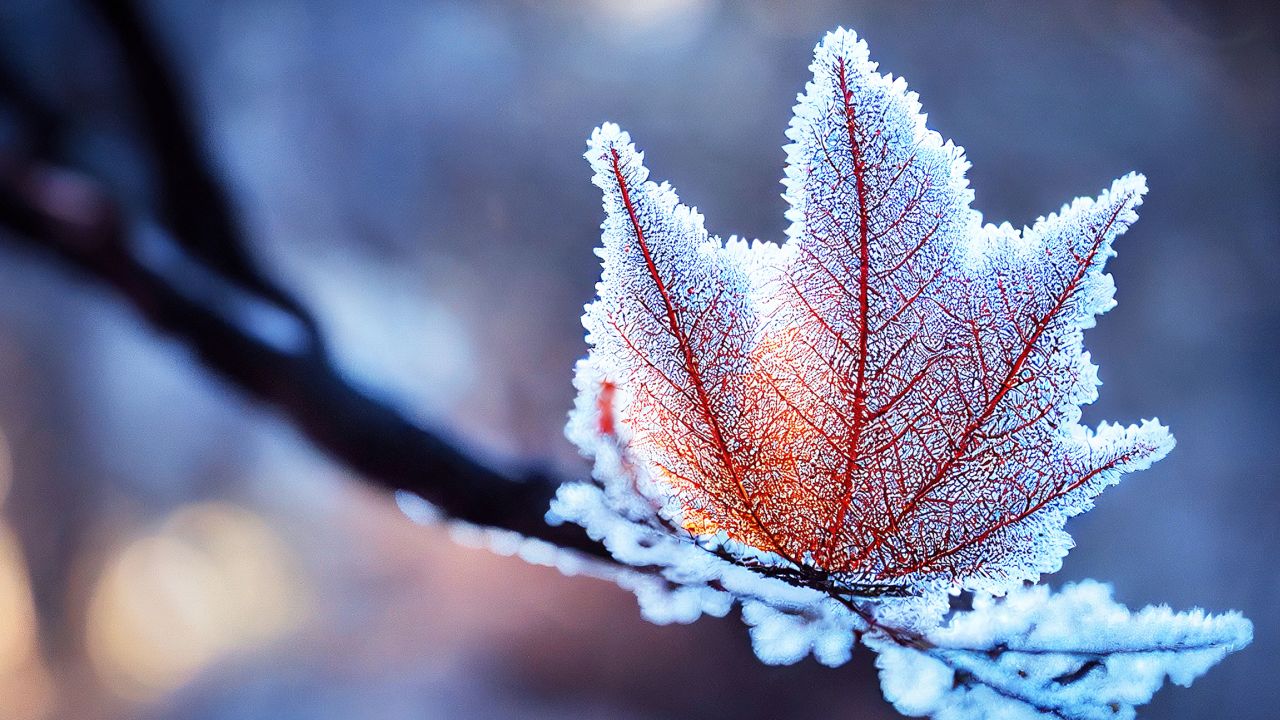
<point>412,171</point>
<point>212,580</point>
<point>651,15</point>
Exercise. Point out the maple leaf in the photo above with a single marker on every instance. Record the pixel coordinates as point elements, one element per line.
<point>836,432</point>
<point>889,401</point>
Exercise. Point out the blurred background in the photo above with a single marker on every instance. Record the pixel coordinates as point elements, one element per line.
<point>411,170</point>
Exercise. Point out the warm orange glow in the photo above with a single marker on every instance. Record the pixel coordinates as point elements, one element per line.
<point>25,689</point>
<point>18,641</point>
<point>214,579</point>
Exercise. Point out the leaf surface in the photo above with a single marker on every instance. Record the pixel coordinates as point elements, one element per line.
<point>891,397</point>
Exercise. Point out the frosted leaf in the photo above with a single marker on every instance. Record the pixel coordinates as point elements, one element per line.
<point>1073,654</point>
<point>842,431</point>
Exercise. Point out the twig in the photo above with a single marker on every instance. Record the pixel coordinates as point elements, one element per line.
<point>191,201</point>
<point>68,214</point>
<point>188,273</point>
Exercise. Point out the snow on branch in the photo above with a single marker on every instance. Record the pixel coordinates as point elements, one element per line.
<point>1075,653</point>
<point>835,434</point>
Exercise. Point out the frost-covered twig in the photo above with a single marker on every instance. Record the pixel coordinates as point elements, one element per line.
<point>1074,654</point>
<point>812,589</point>
<point>839,431</point>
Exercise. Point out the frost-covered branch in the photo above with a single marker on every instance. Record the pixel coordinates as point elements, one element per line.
<point>1073,654</point>
<point>794,518</point>
<point>841,431</point>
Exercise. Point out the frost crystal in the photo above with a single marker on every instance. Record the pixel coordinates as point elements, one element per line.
<point>839,431</point>
<point>1074,654</point>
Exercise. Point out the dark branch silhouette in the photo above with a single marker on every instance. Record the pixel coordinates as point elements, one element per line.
<point>192,202</point>
<point>187,272</point>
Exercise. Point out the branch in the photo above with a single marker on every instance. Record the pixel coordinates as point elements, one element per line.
<point>246,340</point>
<point>191,199</point>
<point>183,266</point>
<point>187,272</point>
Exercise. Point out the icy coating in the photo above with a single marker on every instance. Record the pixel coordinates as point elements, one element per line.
<point>839,432</point>
<point>891,399</point>
<point>1074,654</point>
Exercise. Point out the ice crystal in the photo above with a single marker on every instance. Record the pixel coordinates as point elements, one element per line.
<point>840,431</point>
